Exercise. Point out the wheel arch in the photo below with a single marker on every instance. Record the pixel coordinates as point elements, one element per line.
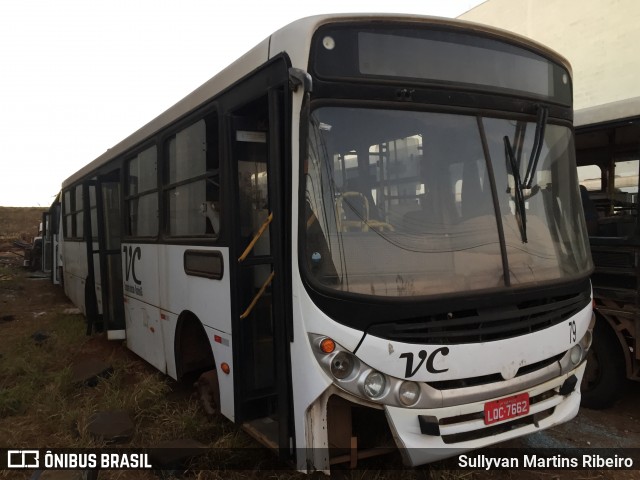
<point>604,379</point>
<point>192,348</point>
<point>608,326</point>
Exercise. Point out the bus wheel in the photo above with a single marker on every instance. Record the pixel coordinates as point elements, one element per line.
<point>604,376</point>
<point>209,392</point>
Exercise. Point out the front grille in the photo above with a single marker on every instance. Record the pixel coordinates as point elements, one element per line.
<point>475,434</point>
<point>492,378</point>
<point>483,325</point>
<point>497,429</point>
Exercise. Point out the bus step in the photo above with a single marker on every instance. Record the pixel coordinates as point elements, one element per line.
<point>264,430</point>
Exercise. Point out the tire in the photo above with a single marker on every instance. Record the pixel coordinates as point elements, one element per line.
<point>209,392</point>
<point>604,376</point>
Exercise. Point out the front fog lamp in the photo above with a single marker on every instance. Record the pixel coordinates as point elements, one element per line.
<point>342,365</point>
<point>575,354</point>
<point>587,340</point>
<point>409,393</point>
<point>374,384</point>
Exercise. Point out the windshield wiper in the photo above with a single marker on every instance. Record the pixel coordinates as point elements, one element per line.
<point>523,187</point>
<point>538,140</point>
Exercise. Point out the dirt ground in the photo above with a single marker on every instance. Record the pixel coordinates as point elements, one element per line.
<point>615,428</point>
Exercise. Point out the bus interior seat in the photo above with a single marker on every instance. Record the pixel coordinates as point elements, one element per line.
<point>352,212</point>
<point>364,186</point>
<point>437,210</point>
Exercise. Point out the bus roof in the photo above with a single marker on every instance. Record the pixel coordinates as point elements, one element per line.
<point>619,111</point>
<point>301,31</point>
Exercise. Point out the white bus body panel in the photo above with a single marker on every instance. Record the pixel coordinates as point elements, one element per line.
<point>207,299</point>
<point>144,332</point>
<point>307,377</point>
<point>157,291</point>
<point>473,359</point>
<point>142,315</point>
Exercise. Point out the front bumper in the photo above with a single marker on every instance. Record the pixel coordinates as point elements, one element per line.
<point>449,431</point>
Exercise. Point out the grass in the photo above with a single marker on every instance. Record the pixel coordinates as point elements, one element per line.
<point>41,407</point>
<point>34,377</point>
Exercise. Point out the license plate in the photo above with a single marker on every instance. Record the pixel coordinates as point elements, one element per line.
<point>506,408</point>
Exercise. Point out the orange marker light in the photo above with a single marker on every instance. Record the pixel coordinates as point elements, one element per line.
<point>327,345</point>
<point>225,368</point>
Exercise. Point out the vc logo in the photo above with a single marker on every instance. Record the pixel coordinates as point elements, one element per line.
<point>130,256</point>
<point>410,371</point>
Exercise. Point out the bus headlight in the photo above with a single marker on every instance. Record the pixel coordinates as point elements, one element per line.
<point>350,374</point>
<point>342,365</point>
<point>374,384</point>
<point>409,393</point>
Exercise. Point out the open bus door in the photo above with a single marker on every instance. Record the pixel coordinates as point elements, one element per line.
<point>109,244</point>
<point>260,310</point>
<point>102,227</point>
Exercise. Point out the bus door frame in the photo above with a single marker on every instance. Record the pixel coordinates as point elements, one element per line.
<point>111,303</point>
<point>270,83</point>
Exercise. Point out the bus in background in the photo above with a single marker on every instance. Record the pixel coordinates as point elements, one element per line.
<point>608,157</point>
<point>364,233</point>
<point>51,252</point>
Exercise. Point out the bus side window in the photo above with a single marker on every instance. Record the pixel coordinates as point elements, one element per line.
<point>142,194</point>
<point>68,212</point>
<point>192,189</point>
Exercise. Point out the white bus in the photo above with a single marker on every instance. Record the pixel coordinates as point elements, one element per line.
<point>364,233</point>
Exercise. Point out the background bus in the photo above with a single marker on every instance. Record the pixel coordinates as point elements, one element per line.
<point>608,154</point>
<point>51,251</point>
<point>364,233</point>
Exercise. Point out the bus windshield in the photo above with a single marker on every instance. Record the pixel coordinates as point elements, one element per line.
<point>404,203</point>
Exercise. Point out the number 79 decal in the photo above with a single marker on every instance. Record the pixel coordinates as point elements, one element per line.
<point>573,331</point>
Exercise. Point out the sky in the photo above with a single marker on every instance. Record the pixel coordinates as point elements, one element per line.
<point>79,76</point>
